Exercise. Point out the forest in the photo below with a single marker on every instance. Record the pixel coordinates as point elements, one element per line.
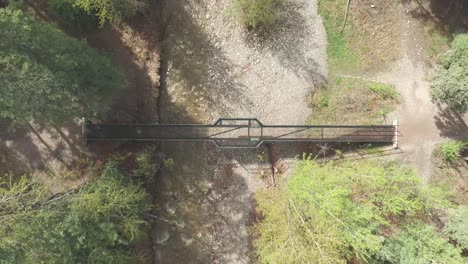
<point>284,62</point>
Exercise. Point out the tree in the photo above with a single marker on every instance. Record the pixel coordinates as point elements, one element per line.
<point>333,213</point>
<point>450,83</point>
<point>48,76</point>
<point>456,226</point>
<point>114,11</point>
<point>418,244</point>
<point>94,224</point>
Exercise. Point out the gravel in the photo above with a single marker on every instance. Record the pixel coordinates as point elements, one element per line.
<point>214,68</point>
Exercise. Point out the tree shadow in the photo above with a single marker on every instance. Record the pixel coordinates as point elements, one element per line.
<point>451,16</point>
<point>288,41</point>
<point>195,70</point>
<point>451,124</point>
<point>18,152</point>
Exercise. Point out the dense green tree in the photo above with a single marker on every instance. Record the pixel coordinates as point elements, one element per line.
<point>48,76</point>
<point>337,213</point>
<point>450,83</point>
<point>94,224</point>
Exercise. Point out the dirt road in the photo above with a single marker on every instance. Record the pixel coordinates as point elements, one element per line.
<point>423,124</point>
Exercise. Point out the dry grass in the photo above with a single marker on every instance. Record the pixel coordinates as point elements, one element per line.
<point>353,101</point>
<point>371,38</point>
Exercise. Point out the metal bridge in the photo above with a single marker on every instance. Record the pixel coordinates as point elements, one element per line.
<point>240,133</point>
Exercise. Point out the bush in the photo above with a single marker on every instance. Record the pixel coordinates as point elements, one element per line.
<point>451,150</point>
<point>456,226</point>
<point>386,91</point>
<point>334,213</point>
<point>450,83</point>
<point>73,16</point>
<point>418,244</point>
<point>114,11</point>
<point>147,165</point>
<point>257,13</point>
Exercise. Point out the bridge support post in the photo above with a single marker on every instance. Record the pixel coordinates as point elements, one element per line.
<point>395,134</point>
<point>84,141</point>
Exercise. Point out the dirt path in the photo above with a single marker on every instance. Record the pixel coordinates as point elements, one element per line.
<point>422,124</point>
<point>213,69</point>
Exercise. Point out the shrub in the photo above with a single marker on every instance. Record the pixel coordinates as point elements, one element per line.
<point>147,165</point>
<point>418,244</point>
<point>450,83</point>
<point>257,13</point>
<point>114,11</point>
<point>385,90</point>
<point>456,226</point>
<point>73,16</point>
<point>451,150</point>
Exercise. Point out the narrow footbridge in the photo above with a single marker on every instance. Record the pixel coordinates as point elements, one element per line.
<point>239,133</point>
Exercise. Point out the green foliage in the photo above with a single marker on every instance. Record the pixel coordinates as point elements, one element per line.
<point>418,244</point>
<point>450,83</point>
<point>451,150</point>
<point>257,13</point>
<point>146,166</point>
<point>340,54</point>
<point>48,76</point>
<point>72,15</point>
<point>333,213</point>
<point>456,226</point>
<point>114,11</point>
<point>95,224</point>
<point>383,89</point>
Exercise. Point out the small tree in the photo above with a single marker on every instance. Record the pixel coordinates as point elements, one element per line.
<point>450,83</point>
<point>48,76</point>
<point>114,11</point>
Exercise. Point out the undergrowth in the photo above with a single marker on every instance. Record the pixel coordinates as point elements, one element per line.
<point>353,101</point>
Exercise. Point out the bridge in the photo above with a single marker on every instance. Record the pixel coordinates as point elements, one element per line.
<point>240,133</point>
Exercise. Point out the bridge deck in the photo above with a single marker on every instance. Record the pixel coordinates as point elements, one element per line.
<point>238,133</point>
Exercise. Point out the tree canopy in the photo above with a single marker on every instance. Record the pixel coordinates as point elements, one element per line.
<point>114,11</point>
<point>450,83</point>
<point>48,76</point>
<point>352,211</point>
<point>92,224</point>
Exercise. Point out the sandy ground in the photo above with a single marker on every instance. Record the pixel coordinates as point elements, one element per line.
<point>212,68</point>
